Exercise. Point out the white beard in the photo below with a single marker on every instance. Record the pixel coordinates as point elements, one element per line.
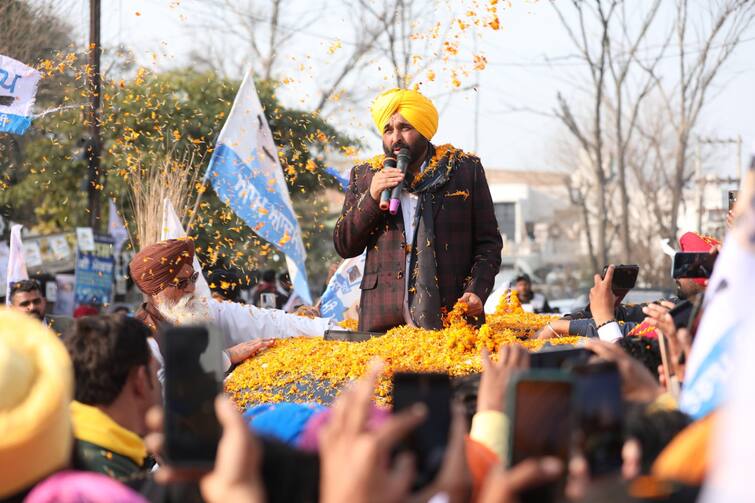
<point>188,310</point>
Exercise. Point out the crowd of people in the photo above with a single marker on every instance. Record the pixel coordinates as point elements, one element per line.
<point>82,414</point>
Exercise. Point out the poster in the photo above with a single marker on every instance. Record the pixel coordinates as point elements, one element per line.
<point>94,273</point>
<point>66,283</point>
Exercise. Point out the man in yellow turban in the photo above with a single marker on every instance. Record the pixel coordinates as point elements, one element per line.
<point>442,246</point>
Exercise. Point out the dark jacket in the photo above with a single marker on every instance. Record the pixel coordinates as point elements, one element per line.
<point>93,458</point>
<point>468,243</point>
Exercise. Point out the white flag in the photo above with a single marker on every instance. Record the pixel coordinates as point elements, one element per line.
<point>246,174</point>
<point>18,90</point>
<point>16,262</point>
<point>172,229</point>
<point>116,228</point>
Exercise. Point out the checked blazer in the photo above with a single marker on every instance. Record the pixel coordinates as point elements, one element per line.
<point>468,243</point>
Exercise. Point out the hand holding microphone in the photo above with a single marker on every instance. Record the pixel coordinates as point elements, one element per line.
<point>385,196</point>
<point>385,180</point>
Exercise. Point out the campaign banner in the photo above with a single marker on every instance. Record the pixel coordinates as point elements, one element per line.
<point>18,90</point>
<point>246,174</point>
<point>64,301</point>
<point>94,273</point>
<point>343,288</point>
<point>173,229</point>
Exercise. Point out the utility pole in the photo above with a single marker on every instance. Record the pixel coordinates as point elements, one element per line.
<point>94,146</point>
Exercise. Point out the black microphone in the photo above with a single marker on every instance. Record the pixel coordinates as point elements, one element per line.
<point>385,196</point>
<point>402,164</point>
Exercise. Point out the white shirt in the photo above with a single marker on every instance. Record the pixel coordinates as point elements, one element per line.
<point>242,322</point>
<point>610,332</point>
<point>409,203</point>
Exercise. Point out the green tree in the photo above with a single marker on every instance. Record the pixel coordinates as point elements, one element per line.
<point>178,111</point>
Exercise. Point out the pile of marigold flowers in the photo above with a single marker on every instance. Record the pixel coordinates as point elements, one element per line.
<point>313,369</point>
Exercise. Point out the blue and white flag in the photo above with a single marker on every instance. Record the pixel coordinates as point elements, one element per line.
<point>343,288</point>
<point>247,175</point>
<point>18,90</point>
<point>341,176</point>
<point>729,298</point>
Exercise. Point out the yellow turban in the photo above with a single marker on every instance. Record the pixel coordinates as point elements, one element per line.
<point>413,106</point>
<point>36,383</point>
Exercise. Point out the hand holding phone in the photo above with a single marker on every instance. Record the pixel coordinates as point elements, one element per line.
<point>624,277</point>
<point>599,410</point>
<point>540,407</point>
<point>193,378</point>
<point>427,442</point>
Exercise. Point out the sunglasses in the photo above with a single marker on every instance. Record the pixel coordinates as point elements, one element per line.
<point>184,282</point>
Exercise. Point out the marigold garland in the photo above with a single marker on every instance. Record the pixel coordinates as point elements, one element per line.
<point>298,369</point>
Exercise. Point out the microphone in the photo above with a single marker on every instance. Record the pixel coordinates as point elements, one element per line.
<point>385,196</point>
<point>403,163</point>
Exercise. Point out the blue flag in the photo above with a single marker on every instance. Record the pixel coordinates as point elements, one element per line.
<point>246,174</point>
<point>18,90</point>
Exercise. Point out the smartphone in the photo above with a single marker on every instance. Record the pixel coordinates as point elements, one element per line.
<point>193,378</point>
<point>540,407</point>
<point>267,301</point>
<point>556,357</point>
<point>693,265</point>
<point>732,199</point>
<point>624,276</point>
<point>681,313</point>
<point>600,411</point>
<point>429,440</point>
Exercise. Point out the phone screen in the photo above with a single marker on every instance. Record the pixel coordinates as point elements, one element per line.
<point>429,440</point>
<point>193,377</point>
<point>599,416</point>
<point>542,426</point>
<point>732,199</point>
<point>693,265</point>
<point>556,357</point>
<point>624,276</point>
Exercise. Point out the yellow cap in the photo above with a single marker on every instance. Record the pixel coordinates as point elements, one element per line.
<point>36,384</point>
<point>413,106</point>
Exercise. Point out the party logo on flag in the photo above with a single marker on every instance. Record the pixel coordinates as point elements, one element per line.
<point>246,174</point>
<point>343,288</point>
<point>18,90</point>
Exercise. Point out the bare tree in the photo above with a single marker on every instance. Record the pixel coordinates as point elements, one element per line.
<point>704,47</point>
<point>393,34</point>
<point>608,131</point>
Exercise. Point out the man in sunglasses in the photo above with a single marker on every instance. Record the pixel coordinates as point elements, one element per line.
<point>165,275</point>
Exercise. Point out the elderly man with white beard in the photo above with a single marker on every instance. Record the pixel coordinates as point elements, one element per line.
<point>165,275</point>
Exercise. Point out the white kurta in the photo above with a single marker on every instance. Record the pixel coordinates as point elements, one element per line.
<point>243,322</point>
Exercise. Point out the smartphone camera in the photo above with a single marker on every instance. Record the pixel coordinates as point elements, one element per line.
<point>193,378</point>
<point>429,440</point>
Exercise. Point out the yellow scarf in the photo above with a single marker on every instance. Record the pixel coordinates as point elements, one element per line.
<point>92,425</point>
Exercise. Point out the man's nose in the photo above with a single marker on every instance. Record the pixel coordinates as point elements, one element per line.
<point>395,136</point>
